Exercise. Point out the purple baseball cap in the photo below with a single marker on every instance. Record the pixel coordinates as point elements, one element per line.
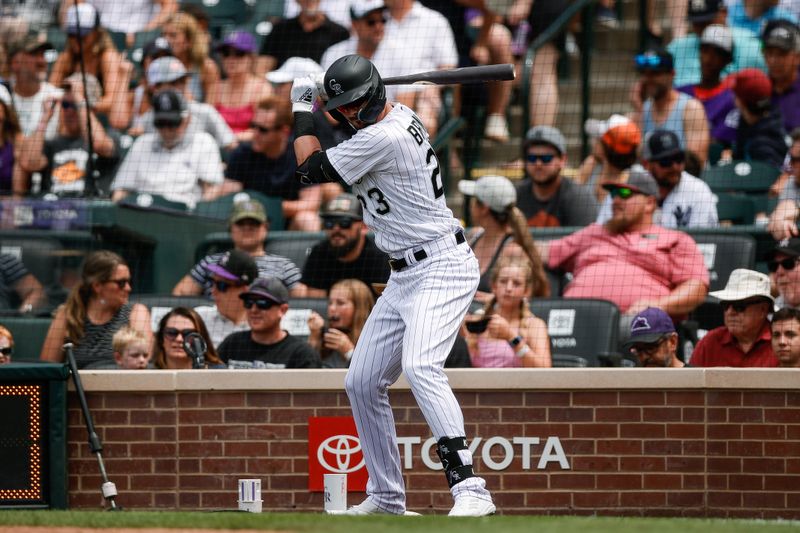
<point>649,326</point>
<point>239,40</point>
<point>236,266</point>
<point>270,288</point>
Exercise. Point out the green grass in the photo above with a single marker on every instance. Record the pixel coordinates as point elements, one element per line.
<point>302,522</point>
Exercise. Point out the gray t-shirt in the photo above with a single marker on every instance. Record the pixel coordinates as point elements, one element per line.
<point>571,205</point>
<point>204,118</point>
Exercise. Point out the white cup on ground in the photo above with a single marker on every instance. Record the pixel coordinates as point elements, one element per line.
<point>335,486</point>
<point>250,495</point>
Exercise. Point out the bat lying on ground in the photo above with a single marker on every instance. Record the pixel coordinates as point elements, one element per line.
<point>479,74</point>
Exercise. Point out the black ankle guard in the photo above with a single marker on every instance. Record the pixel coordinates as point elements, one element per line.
<point>454,468</point>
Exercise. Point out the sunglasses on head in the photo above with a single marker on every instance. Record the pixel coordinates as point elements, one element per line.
<point>544,158</point>
<point>788,264</point>
<point>621,192</point>
<point>263,129</point>
<point>172,333</point>
<point>739,307</point>
<point>260,303</point>
<point>8,350</point>
<point>232,52</point>
<point>222,285</point>
<point>343,223</point>
<point>375,22</point>
<point>651,62</point>
<point>121,283</point>
<point>667,162</point>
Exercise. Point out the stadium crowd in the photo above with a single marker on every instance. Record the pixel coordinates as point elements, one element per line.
<point>112,98</point>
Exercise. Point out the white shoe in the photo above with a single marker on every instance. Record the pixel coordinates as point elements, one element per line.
<point>468,505</point>
<point>497,128</point>
<point>367,508</point>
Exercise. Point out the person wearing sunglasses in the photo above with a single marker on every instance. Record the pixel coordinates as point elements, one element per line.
<point>180,165</point>
<point>786,337</point>
<point>629,260</point>
<point>346,252</point>
<point>545,197</point>
<point>169,351</point>
<point>781,49</point>
<point>684,200</point>
<point>96,308</point>
<point>745,339</point>
<point>653,340</point>
<point>782,262</point>
<point>266,345</point>
<point>230,278</point>
<point>6,345</point>
<point>657,105</point>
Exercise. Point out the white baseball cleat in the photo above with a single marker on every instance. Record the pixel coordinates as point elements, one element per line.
<point>367,508</point>
<point>467,505</point>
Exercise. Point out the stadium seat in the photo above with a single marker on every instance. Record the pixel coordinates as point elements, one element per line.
<point>292,244</point>
<point>40,256</point>
<point>585,328</point>
<point>708,315</point>
<point>562,360</point>
<point>29,334</point>
<point>741,176</point>
<point>220,208</point>
<point>736,208</point>
<point>723,254</point>
<point>224,15</point>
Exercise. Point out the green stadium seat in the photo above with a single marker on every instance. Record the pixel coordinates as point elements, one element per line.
<point>738,209</point>
<point>741,176</point>
<point>29,334</point>
<point>723,254</point>
<point>220,208</point>
<point>295,245</point>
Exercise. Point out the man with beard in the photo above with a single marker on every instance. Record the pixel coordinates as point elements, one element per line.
<point>684,201</point>
<point>546,197</point>
<point>786,337</point>
<point>658,106</point>
<point>629,260</point>
<point>653,340</point>
<point>346,252</point>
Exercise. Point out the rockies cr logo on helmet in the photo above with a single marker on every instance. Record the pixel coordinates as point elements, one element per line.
<point>353,78</point>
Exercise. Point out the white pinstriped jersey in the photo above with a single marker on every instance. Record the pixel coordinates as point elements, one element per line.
<point>393,170</point>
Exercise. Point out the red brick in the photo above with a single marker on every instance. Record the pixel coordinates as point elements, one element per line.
<point>156,417</point>
<point>643,499</point>
<point>268,431</point>
<point>189,500</point>
<point>782,449</point>
<point>570,414</point>
<point>278,415</point>
<point>686,431</point>
<point>268,399</point>
<point>155,449</point>
<point>508,500</point>
<point>746,448</point>
<point>693,414</point>
<point>724,431</point>
<point>619,482</point>
<point>599,431</point>
<point>724,398</point>
<point>717,481</point>
<point>642,398</point>
<point>337,411</point>
<point>199,416</point>
<point>219,500</point>
<point>764,398</point>
<point>484,430</point>
<point>246,449</point>
<point>621,447</point>
<point>724,499</point>
<point>547,399</point>
<point>217,465</point>
<point>125,401</point>
<point>594,464</point>
<point>127,434</point>
<point>288,449</point>
<point>538,430</point>
<point>743,482</point>
<point>211,399</point>
<point>523,414</point>
<point>759,466</point>
<point>662,414</point>
<point>525,481</point>
<point>694,482</point>
<point>314,399</point>
<point>685,397</point>
<point>717,447</point>
<point>189,399</point>
<point>763,500</point>
<point>165,465</point>
<point>595,500</point>
<point>108,418</point>
<point>663,447</point>
<point>642,464</point>
<point>572,481</point>
<point>686,464</point>
<point>465,398</point>
<point>724,464</point>
<point>206,449</point>
<point>223,433</point>
<point>793,432</point>
<point>595,398</point>
<point>685,499</point>
<point>268,466</point>
<point>165,434</point>
<point>155,481</point>
<point>248,416</point>
<point>578,447</point>
<point>188,433</point>
<point>548,500</point>
<point>718,414</point>
<point>639,431</point>
<point>753,414</point>
<point>500,399</point>
<point>473,414</point>
<point>292,482</point>
<point>618,414</point>
<point>793,466</point>
<point>661,482</point>
<point>783,416</point>
<point>188,466</point>
<point>165,500</point>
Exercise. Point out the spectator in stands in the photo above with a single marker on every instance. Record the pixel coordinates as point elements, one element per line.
<point>429,45</point>
<point>782,263</point>
<point>745,49</point>
<point>308,34</point>
<point>615,150</point>
<point>745,339</point>
<point>169,73</point>
<point>629,260</point>
<point>716,53</point>
<point>191,48</point>
<point>6,345</point>
<point>241,90</point>
<point>349,304</point>
<point>336,10</point>
<point>760,135</point>
<point>781,48</point>
<point>267,164</point>
<point>96,308</point>
<point>168,349</point>
<point>513,336</point>
<point>547,198</point>
<point>684,201</point>
<point>657,105</point>
<point>10,142</point>
<point>230,277</point>
<point>131,349</point>
<point>64,160</point>
<point>100,57</point>
<point>266,345</point>
<point>783,220</point>
<point>248,225</point>
<point>29,92</point>
<point>653,340</point>
<point>785,330</point>
<point>499,230</point>
<point>346,252</point>
<point>753,15</point>
<point>17,283</point>
<point>180,165</point>
<point>138,102</point>
<point>133,16</point>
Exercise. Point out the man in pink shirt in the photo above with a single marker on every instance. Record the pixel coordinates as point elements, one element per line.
<point>629,260</point>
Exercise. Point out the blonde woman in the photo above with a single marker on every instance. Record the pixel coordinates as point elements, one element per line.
<point>188,44</point>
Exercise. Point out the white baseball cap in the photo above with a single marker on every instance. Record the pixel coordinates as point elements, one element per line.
<point>744,284</point>
<point>718,36</point>
<point>81,19</point>
<point>497,192</point>
<point>294,67</point>
<point>361,8</point>
<point>165,70</point>
<point>598,128</point>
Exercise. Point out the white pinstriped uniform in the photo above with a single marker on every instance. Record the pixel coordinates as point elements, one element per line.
<point>393,170</point>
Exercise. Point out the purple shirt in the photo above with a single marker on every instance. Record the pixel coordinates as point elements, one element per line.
<point>718,107</point>
<point>789,104</point>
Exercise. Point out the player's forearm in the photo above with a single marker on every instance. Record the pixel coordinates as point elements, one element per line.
<point>684,298</point>
<point>305,145</point>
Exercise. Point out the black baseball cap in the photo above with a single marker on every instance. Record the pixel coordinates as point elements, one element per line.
<point>701,11</point>
<point>659,144</point>
<point>790,247</point>
<point>169,107</point>
<point>158,47</point>
<point>783,34</point>
<point>269,288</point>
<point>236,265</point>
<point>655,60</point>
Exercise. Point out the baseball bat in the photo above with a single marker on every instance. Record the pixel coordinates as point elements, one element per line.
<point>479,74</point>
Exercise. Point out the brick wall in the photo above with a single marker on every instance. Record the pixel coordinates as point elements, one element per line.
<point>709,450</point>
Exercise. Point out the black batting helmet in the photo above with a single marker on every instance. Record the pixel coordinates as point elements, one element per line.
<point>351,79</point>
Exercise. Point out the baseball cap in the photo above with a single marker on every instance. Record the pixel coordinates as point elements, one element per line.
<point>790,247</point>
<point>783,34</point>
<point>239,40</point>
<point>704,10</point>
<point>639,180</point>
<point>744,284</point>
<point>362,8</point>
<point>236,265</point>
<point>270,288</point>
<point>28,45</point>
<point>165,70</point>
<point>496,192</point>
<point>294,67</point>
<point>655,60</point>
<point>659,144</point>
<point>245,209</point>
<point>649,326</point>
<point>158,47</point>
<point>619,133</point>
<point>81,19</point>
<point>753,88</point>
<point>344,205</point>
<point>546,135</point>
<point>169,106</point>
<point>718,36</point>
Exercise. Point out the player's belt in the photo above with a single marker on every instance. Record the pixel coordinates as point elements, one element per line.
<point>419,255</point>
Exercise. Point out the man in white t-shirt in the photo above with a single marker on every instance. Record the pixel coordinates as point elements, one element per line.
<point>30,93</point>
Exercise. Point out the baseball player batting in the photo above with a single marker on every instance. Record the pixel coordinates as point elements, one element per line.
<point>392,169</point>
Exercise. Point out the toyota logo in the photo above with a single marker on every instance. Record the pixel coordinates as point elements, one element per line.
<point>342,448</point>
